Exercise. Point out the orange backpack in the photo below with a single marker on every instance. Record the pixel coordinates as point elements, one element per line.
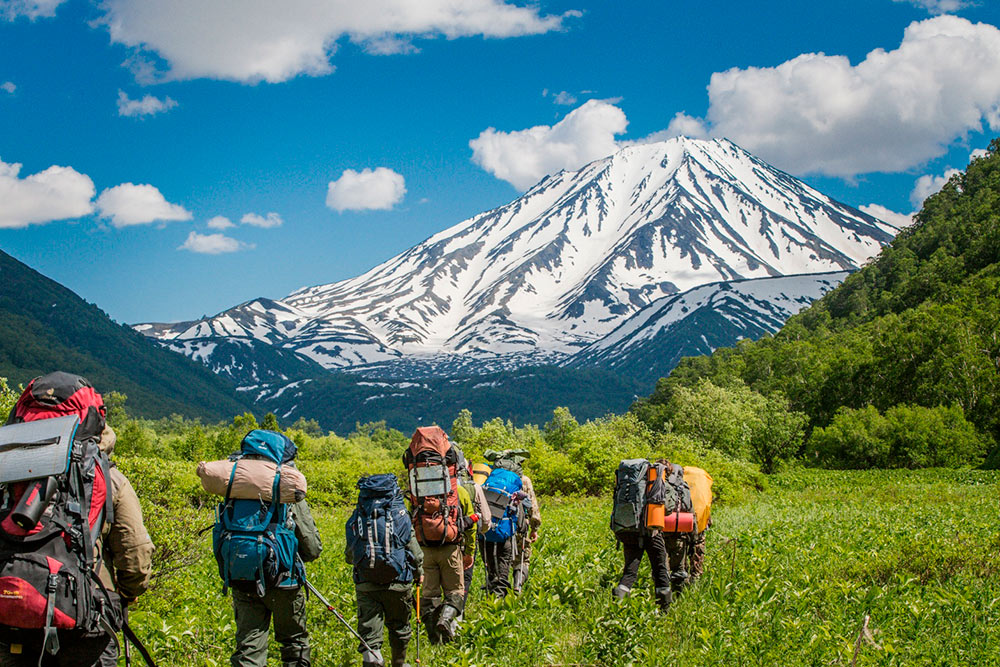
<point>432,463</point>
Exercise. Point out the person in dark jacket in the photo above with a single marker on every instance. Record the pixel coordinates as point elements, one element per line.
<point>387,605</point>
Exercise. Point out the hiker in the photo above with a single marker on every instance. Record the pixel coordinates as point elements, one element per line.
<point>266,587</point>
<point>527,534</point>
<point>509,505</point>
<point>444,521</point>
<point>681,541</point>
<point>467,479</point>
<point>387,560</point>
<point>640,500</point>
<point>111,554</point>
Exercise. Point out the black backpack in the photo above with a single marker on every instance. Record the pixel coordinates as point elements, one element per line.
<point>683,491</point>
<point>378,531</point>
<point>628,515</point>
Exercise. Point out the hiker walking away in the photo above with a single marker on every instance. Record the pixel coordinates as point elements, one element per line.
<point>680,540</point>
<point>527,534</point>
<point>444,521</point>
<point>387,560</point>
<point>641,497</point>
<point>103,549</point>
<point>467,480</point>
<point>266,587</point>
<point>509,509</point>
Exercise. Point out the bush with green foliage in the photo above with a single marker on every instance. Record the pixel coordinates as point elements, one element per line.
<point>906,436</point>
<point>915,327</point>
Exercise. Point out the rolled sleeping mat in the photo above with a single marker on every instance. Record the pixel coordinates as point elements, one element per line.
<point>480,472</point>
<point>678,522</point>
<point>253,480</point>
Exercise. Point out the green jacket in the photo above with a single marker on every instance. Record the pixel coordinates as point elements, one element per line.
<point>310,544</point>
<point>469,537</point>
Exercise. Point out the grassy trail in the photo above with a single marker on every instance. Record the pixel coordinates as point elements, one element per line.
<point>919,552</point>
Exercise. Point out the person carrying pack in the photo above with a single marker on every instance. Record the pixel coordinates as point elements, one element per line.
<point>640,497</point>
<point>504,491</point>
<point>387,560</point>
<point>260,548</point>
<point>680,541</point>
<point>444,521</point>
<point>480,507</point>
<point>527,534</point>
<point>700,484</point>
<point>74,552</point>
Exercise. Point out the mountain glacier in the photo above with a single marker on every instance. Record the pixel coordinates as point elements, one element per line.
<point>555,271</point>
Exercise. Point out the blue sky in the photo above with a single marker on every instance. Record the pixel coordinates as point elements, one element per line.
<point>217,109</point>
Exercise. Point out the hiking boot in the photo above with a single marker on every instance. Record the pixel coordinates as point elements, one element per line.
<point>620,592</point>
<point>663,598</point>
<point>446,623</point>
<point>372,658</point>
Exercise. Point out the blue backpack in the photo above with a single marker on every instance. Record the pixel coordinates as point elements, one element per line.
<point>254,542</point>
<point>499,489</point>
<point>378,531</point>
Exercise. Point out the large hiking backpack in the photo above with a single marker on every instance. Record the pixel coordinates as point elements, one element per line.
<point>254,541</point>
<point>502,489</point>
<point>432,464</point>
<point>57,498</point>
<point>628,514</point>
<point>682,519</point>
<point>378,531</point>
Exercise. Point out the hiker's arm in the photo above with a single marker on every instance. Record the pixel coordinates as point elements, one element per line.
<point>310,544</point>
<point>416,558</point>
<point>128,543</point>
<point>469,543</point>
<point>483,509</point>
<point>535,520</point>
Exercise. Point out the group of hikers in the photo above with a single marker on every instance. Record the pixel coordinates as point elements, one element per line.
<point>75,554</point>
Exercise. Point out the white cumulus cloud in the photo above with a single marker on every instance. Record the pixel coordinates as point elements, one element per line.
<point>366,190</point>
<point>892,111</point>
<point>32,9</point>
<point>929,184</point>
<point>523,157</point>
<point>57,193</point>
<point>8,87</point>
<point>130,204</point>
<point>897,220</point>
<point>147,106</point>
<point>219,222</point>
<point>266,222</point>
<point>213,244</point>
<point>938,6</point>
<point>263,40</point>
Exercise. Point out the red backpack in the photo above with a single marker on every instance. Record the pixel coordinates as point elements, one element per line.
<point>432,463</point>
<point>56,501</point>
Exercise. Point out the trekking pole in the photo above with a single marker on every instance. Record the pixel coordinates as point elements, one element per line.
<point>131,638</point>
<point>329,607</point>
<point>418,624</point>
<point>128,651</point>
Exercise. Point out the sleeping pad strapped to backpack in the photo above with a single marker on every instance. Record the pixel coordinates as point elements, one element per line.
<point>378,531</point>
<point>432,464</point>
<point>56,501</point>
<point>254,541</point>
<point>682,519</point>
<point>502,489</point>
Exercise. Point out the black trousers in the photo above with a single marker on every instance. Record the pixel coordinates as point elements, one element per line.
<point>655,549</point>
<point>498,557</point>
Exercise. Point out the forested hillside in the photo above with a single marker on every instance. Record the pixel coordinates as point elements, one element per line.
<point>45,326</point>
<point>898,362</point>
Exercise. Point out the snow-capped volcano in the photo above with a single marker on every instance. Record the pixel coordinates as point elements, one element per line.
<point>564,264</point>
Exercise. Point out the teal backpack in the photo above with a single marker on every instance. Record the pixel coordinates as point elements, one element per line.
<point>254,542</point>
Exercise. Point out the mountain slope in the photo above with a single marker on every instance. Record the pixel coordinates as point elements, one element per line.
<point>561,266</point>
<point>649,344</point>
<point>45,326</point>
<point>917,326</point>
